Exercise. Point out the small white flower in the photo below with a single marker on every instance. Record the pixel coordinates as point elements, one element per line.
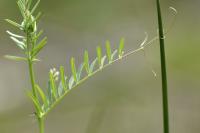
<point>55,73</point>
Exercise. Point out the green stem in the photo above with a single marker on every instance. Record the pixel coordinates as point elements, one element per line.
<point>163,71</point>
<point>41,124</point>
<point>32,78</point>
<point>30,63</point>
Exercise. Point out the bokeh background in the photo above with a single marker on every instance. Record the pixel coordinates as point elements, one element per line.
<point>125,97</point>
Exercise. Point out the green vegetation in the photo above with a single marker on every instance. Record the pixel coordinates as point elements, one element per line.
<point>163,71</point>
<point>59,84</point>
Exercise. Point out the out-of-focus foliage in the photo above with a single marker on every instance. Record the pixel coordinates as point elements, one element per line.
<point>127,101</point>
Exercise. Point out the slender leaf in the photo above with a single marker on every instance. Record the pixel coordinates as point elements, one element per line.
<point>145,40</point>
<point>20,44</point>
<point>38,35</point>
<point>50,93</point>
<point>113,55</point>
<point>42,95</point>
<point>71,82</point>
<point>63,78</point>
<point>73,68</point>
<point>121,48</point>
<point>86,62</point>
<point>39,47</point>
<point>79,72</point>
<point>53,85</point>
<point>99,55</point>
<point>21,8</point>
<point>35,101</point>
<point>29,4</point>
<point>15,58</point>
<point>14,35</point>
<point>60,89</point>
<point>35,7</point>
<point>92,66</point>
<point>36,60</point>
<point>13,23</point>
<point>34,20</point>
<point>108,51</point>
<point>103,61</point>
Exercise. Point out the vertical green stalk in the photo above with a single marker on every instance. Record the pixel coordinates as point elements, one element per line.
<point>163,71</point>
<point>31,73</point>
<point>30,49</point>
<point>41,124</point>
<point>30,62</point>
<point>32,79</point>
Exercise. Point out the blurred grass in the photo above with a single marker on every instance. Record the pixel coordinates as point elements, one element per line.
<point>123,98</point>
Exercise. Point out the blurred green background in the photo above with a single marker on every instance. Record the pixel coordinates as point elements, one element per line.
<point>124,98</point>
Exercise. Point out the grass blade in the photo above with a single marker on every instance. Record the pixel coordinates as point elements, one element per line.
<point>163,71</point>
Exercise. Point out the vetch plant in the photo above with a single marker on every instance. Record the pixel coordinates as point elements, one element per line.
<point>59,83</point>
